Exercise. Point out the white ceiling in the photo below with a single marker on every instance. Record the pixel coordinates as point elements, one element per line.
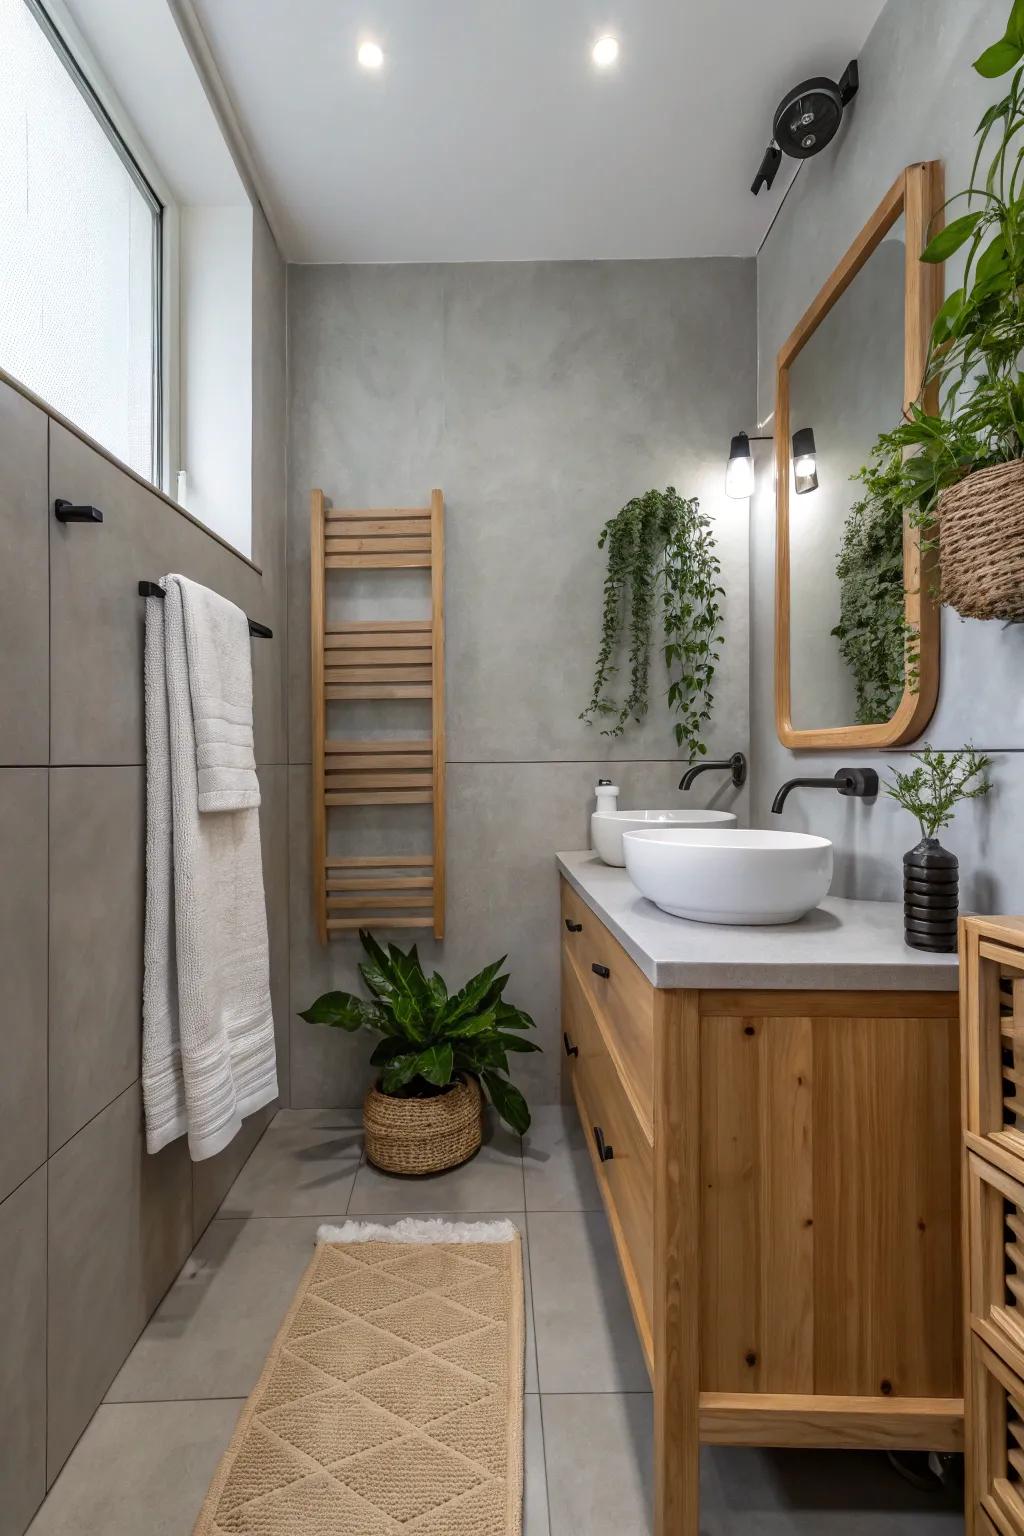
<point>489,135</point>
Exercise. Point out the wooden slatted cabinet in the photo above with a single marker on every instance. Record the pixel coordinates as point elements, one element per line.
<point>992,1023</point>
<point>355,660</point>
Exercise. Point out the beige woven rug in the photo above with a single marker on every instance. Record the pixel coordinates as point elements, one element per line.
<point>392,1399</point>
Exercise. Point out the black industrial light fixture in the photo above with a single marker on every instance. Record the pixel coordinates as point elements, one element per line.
<point>805,461</point>
<point>739,472</point>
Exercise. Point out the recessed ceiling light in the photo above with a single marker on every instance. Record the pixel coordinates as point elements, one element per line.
<point>606,51</point>
<point>371,55</point>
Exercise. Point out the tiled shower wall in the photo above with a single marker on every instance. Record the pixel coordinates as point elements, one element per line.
<point>92,1231</point>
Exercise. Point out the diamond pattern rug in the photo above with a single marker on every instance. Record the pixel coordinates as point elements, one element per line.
<point>391,1402</point>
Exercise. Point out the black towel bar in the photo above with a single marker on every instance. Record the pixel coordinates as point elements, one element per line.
<point>152,589</point>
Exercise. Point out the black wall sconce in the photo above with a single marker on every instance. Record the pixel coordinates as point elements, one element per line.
<point>805,461</point>
<point>739,472</point>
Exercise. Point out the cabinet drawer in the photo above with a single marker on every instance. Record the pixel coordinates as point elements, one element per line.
<point>620,994</point>
<point>625,1166</point>
<point>996,1235</point>
<point>994,1040</point>
<point>996,1467</point>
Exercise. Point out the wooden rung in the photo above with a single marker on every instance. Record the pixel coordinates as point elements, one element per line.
<point>1015,1256</point>
<point>374,626</point>
<point>371,640</point>
<point>395,760</point>
<point>1015,1224</point>
<point>371,691</point>
<point>382,861</point>
<point>346,514</point>
<point>1016,1429</point>
<point>407,544</point>
<point>1016,1460</point>
<point>419,780</point>
<point>380,797</point>
<point>419,744</point>
<point>1016,1286</point>
<point>375,920</point>
<point>383,883</point>
<point>378,674</point>
<point>375,527</point>
<point>375,562</point>
<point>341,903</point>
<point>418,656</point>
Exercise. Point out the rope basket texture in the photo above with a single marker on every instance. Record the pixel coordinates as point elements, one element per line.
<point>423,1135</point>
<point>981,534</point>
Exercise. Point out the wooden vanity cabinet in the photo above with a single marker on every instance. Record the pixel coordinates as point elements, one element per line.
<point>781,1173</point>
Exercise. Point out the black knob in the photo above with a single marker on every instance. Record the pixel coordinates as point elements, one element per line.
<point>604,1151</point>
<point>600,970</point>
<point>64,512</point>
<point>570,1049</point>
<point>573,927</point>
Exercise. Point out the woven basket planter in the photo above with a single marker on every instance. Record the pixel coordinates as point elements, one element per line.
<point>416,1136</point>
<point>981,534</point>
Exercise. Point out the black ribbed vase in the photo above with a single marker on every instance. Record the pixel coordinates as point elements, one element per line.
<point>931,885</point>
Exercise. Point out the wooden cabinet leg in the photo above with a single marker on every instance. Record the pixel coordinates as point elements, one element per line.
<point>676,1264</point>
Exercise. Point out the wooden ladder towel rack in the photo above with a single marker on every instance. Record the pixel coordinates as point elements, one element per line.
<point>377,659</point>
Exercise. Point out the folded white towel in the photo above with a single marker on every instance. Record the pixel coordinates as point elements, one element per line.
<point>220,685</point>
<point>208,1056</point>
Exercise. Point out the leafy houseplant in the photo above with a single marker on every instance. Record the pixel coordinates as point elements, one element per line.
<point>931,791</point>
<point>435,1050</point>
<point>661,559</point>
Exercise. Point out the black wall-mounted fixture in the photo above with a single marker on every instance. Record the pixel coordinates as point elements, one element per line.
<point>153,589</point>
<point>806,121</point>
<point>65,512</point>
<point>805,461</point>
<point>739,472</point>
<point>737,766</point>
<point>861,782</point>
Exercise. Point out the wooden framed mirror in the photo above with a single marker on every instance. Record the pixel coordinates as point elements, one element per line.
<point>856,359</point>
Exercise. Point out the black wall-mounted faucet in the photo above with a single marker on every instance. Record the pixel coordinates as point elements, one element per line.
<point>862,782</point>
<point>737,766</point>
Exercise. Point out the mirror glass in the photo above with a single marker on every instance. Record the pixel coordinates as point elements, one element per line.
<point>846,385</point>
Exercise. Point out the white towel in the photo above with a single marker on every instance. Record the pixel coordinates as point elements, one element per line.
<point>208,1056</point>
<point>220,683</point>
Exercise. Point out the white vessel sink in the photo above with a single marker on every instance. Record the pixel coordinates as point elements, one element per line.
<point>607,827</point>
<point>729,876</point>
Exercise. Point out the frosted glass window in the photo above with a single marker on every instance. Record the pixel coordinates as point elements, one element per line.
<point>79,251</point>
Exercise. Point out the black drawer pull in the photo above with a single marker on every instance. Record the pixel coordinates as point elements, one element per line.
<point>64,512</point>
<point>573,927</point>
<point>570,1049</point>
<point>600,970</point>
<point>604,1151</point>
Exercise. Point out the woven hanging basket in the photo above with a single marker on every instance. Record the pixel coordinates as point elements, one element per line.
<point>981,543</point>
<point>423,1135</point>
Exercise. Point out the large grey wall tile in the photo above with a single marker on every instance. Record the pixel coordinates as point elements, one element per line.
<point>24,600</point>
<point>23,919</point>
<point>22,1353</point>
<point>97,876</point>
<point>214,1176</point>
<point>119,1230</point>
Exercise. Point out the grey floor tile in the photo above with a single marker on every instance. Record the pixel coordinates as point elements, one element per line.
<point>557,1170</point>
<point>586,1338</point>
<point>598,1451</point>
<point>492,1181</point>
<point>139,1467</point>
<point>211,1334</point>
<point>297,1170</point>
<point>535,1485</point>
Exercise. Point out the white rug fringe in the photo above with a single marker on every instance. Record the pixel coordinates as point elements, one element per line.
<point>413,1229</point>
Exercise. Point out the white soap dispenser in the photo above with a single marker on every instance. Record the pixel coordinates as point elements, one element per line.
<point>603,839</point>
<point>607,795</point>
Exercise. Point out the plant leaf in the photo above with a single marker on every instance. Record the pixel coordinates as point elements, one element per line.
<point>399,1071</point>
<point>999,59</point>
<point>471,997</point>
<point>1015,25</point>
<point>508,1101</point>
<point>949,240</point>
<point>516,1043</point>
<point>507,1016</point>
<point>341,1010</point>
<point>435,1064</point>
<point>385,1050</point>
<point>476,1024</point>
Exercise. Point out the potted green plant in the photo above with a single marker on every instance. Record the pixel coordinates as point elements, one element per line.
<point>961,465</point>
<point>931,791</point>
<point>661,557</point>
<point>425,1111</point>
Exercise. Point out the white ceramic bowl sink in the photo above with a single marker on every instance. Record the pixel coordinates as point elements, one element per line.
<point>729,876</point>
<point>607,827</point>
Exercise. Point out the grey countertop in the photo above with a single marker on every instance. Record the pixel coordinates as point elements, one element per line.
<point>854,945</point>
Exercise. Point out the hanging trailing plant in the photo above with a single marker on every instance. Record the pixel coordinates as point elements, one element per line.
<point>661,559</point>
<point>876,642</point>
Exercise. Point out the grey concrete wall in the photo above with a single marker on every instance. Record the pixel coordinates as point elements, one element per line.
<point>539,397</point>
<point>92,1230</point>
<point>919,100</point>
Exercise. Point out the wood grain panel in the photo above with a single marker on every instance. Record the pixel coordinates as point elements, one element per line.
<point>886,1207</point>
<point>820,1422</point>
